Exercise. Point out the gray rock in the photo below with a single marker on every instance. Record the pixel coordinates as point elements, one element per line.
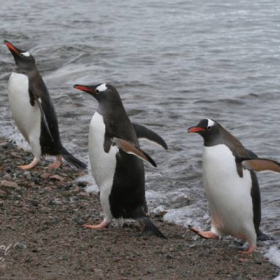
<point>20,246</point>
<point>27,175</point>
<point>9,184</point>
<point>7,177</point>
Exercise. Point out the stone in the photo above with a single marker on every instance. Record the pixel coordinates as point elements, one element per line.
<point>9,184</point>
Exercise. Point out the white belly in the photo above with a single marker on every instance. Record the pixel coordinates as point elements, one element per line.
<point>27,117</point>
<point>102,164</point>
<point>228,194</point>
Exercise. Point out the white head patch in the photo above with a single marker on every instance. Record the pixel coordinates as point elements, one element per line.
<point>101,88</point>
<point>26,54</point>
<point>210,122</point>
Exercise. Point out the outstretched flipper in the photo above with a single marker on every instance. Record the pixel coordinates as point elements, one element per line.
<point>147,225</point>
<point>143,132</point>
<point>131,148</point>
<point>260,164</point>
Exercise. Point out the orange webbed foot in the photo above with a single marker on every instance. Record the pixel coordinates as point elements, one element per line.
<point>56,164</point>
<point>103,224</point>
<point>204,234</point>
<point>248,251</point>
<point>30,165</point>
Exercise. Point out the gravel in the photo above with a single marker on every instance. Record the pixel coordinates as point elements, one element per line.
<point>42,213</point>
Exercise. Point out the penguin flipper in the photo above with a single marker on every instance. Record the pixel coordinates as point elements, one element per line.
<point>261,164</point>
<point>143,132</point>
<point>147,224</point>
<point>130,148</point>
<point>32,94</point>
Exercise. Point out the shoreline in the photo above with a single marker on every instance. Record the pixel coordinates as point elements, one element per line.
<point>42,237</point>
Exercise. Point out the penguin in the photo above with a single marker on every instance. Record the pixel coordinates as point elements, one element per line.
<point>33,111</point>
<point>231,185</point>
<point>117,160</point>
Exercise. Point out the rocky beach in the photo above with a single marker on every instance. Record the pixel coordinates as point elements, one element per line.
<point>42,213</point>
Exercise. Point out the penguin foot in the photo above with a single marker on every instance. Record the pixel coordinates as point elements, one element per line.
<point>204,234</point>
<point>30,165</point>
<point>56,164</point>
<point>248,251</point>
<point>103,224</point>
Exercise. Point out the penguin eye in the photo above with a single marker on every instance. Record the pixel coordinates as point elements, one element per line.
<point>209,127</point>
<point>97,91</point>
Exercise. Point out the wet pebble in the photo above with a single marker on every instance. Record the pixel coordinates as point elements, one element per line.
<point>76,189</point>
<point>9,184</point>
<point>79,221</point>
<point>45,175</point>
<point>3,266</point>
<point>56,201</point>
<point>35,180</point>
<point>34,202</point>
<point>82,184</point>
<point>7,176</point>
<point>73,198</point>
<point>27,175</point>
<point>20,246</point>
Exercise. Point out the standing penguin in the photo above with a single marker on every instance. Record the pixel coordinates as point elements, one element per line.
<point>33,111</point>
<point>115,159</point>
<point>231,186</point>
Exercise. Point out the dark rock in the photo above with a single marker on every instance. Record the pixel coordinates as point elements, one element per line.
<point>34,202</point>
<point>82,184</point>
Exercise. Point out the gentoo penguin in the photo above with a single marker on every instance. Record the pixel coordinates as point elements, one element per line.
<point>33,111</point>
<point>231,186</point>
<point>116,160</point>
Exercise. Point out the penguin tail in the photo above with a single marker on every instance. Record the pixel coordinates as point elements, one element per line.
<point>148,226</point>
<point>263,237</point>
<point>72,160</point>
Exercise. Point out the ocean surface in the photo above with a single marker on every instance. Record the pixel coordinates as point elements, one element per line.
<point>174,63</point>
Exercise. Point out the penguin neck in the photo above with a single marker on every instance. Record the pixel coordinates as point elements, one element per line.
<point>221,136</point>
<point>113,109</point>
<point>117,121</point>
<point>27,72</point>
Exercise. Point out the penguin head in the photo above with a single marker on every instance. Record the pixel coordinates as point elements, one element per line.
<point>23,59</point>
<point>207,128</point>
<point>101,92</point>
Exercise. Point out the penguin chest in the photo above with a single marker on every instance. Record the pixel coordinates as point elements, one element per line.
<point>103,164</point>
<point>26,116</point>
<point>229,195</point>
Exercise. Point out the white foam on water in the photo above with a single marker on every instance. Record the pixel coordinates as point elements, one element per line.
<point>12,133</point>
<point>273,255</point>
